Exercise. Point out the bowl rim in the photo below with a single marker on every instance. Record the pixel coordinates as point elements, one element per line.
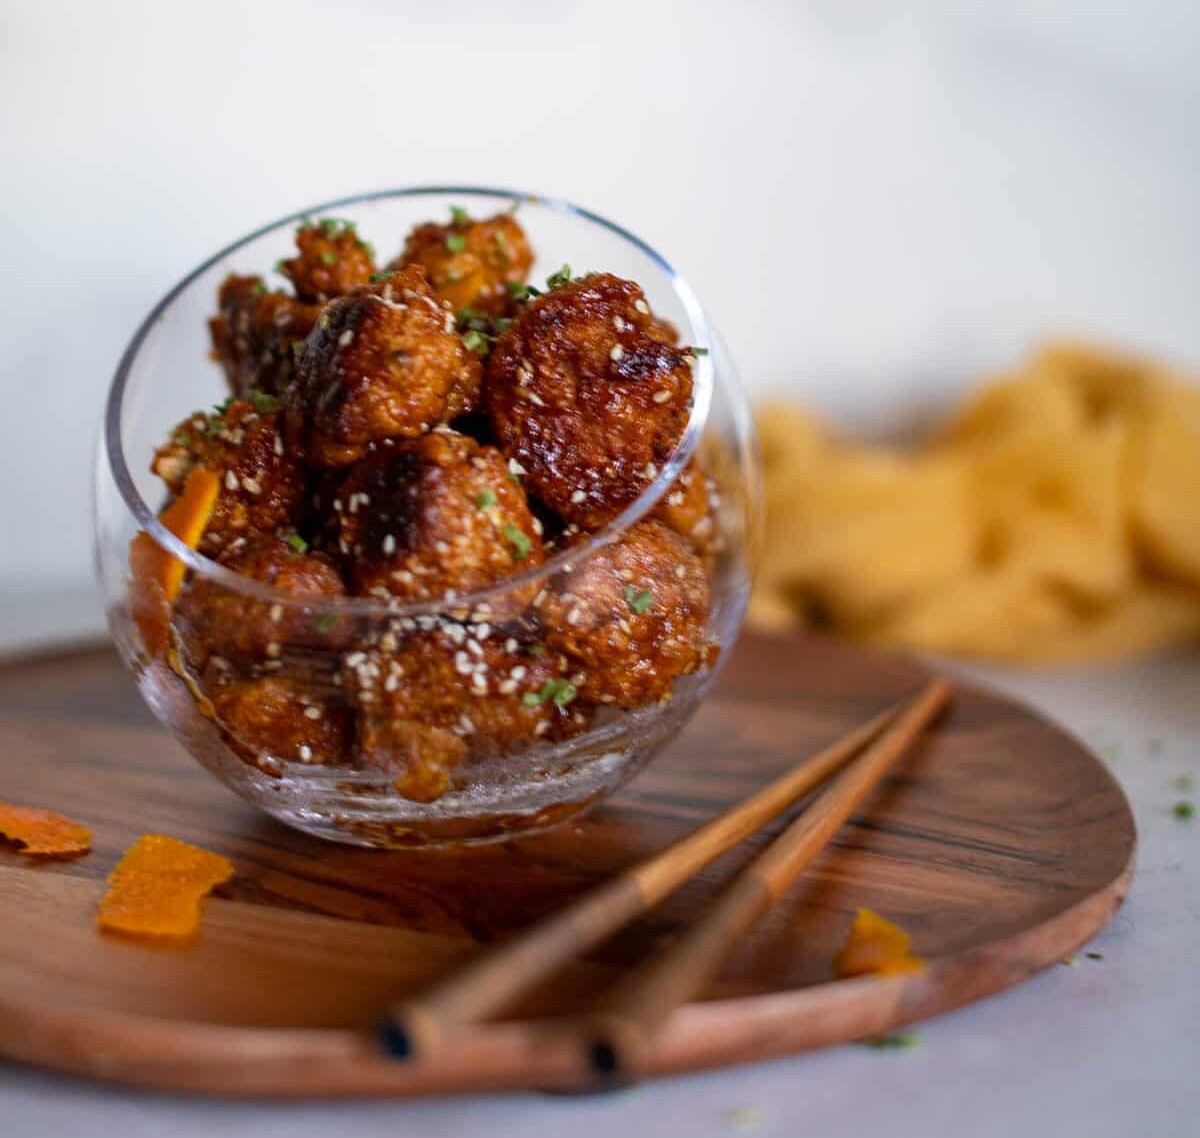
<point>702,336</point>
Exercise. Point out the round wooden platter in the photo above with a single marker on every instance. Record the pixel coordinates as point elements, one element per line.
<point>999,843</point>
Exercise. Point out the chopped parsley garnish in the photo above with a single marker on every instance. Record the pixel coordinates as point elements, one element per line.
<point>281,267</point>
<point>329,257</point>
<point>456,242</point>
<point>521,545</point>
<point>369,248</point>
<point>325,623</point>
<point>259,289</point>
<point>485,499</point>
<point>297,348</point>
<point>1184,810</point>
<point>261,401</point>
<point>475,342</point>
<point>562,277</point>
<point>639,600</point>
<point>183,439</point>
<point>331,226</point>
<point>521,292</point>
<point>223,406</point>
<point>558,692</point>
<point>897,1041</point>
<point>459,216</point>
<point>297,543</point>
<point>698,351</point>
<point>536,650</point>
<point>382,275</point>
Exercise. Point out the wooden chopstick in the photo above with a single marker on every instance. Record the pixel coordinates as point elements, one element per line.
<point>488,984</point>
<point>618,1033</point>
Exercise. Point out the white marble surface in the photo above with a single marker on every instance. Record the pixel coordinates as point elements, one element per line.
<point>1104,1049</point>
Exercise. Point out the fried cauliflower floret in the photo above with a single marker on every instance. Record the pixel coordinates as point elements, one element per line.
<point>435,696</point>
<point>271,720</point>
<point>263,486</point>
<point>584,392</point>
<point>217,621</point>
<point>631,617</point>
<point>688,507</point>
<point>435,516</point>
<point>331,260</point>
<point>254,334</point>
<point>384,362</point>
<point>470,263</point>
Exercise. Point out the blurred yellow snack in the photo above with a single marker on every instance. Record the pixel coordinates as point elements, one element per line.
<point>1044,524</point>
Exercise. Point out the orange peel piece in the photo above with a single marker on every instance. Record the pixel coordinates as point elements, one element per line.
<point>42,833</point>
<point>155,890</point>
<point>158,575</point>
<point>876,947</point>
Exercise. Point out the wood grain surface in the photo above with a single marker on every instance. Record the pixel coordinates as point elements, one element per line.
<point>999,843</point>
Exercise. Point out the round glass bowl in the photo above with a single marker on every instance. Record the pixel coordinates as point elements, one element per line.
<point>467,683</point>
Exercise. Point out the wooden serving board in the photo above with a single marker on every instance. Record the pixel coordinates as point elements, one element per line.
<point>1000,844</point>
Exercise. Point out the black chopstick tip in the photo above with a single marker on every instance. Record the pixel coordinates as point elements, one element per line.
<point>603,1059</point>
<point>395,1040</point>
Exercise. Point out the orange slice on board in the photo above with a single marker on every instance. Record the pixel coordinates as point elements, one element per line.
<point>156,574</point>
<point>877,947</point>
<point>155,890</point>
<point>42,833</point>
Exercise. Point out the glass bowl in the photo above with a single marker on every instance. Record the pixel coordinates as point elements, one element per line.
<point>532,744</point>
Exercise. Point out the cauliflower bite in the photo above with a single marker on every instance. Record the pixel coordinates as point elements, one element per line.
<point>584,392</point>
<point>331,260</point>
<point>255,332</point>
<point>270,721</point>
<point>688,508</point>
<point>471,263</point>
<point>217,623</point>
<point>263,488</point>
<point>632,617</point>
<point>436,690</point>
<point>384,362</point>
<point>440,515</point>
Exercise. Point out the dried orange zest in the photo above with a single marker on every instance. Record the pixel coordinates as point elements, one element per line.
<point>156,574</point>
<point>876,947</point>
<point>156,889</point>
<point>43,834</point>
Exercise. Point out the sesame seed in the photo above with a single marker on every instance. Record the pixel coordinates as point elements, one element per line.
<point>507,687</point>
<point>346,338</point>
<point>305,752</point>
<point>475,647</point>
<point>650,471</point>
<point>355,659</point>
<point>680,572</point>
<point>389,545</point>
<point>251,486</point>
<point>575,615</point>
<point>536,399</point>
<point>518,673</point>
<point>618,324</point>
<point>483,631</point>
<point>675,499</point>
<point>642,307</point>
<point>577,496</point>
<point>479,684</point>
<point>510,645</point>
<point>312,713</point>
<point>515,467</point>
<point>661,396</point>
<point>273,649</point>
<point>542,727</point>
<point>231,481</point>
<point>276,611</point>
<point>279,444</point>
<point>616,353</point>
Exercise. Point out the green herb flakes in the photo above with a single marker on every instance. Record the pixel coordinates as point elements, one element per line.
<point>326,622</point>
<point>1184,810</point>
<point>456,242</point>
<point>639,600</point>
<point>562,277</point>
<point>297,543</point>
<point>485,499</point>
<point>329,257</point>
<point>261,401</point>
<point>459,216</point>
<point>558,692</point>
<point>182,439</point>
<point>521,545</point>
<point>475,341</point>
<point>896,1041</point>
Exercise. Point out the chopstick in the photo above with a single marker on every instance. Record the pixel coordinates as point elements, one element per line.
<point>486,985</point>
<point>618,1033</point>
